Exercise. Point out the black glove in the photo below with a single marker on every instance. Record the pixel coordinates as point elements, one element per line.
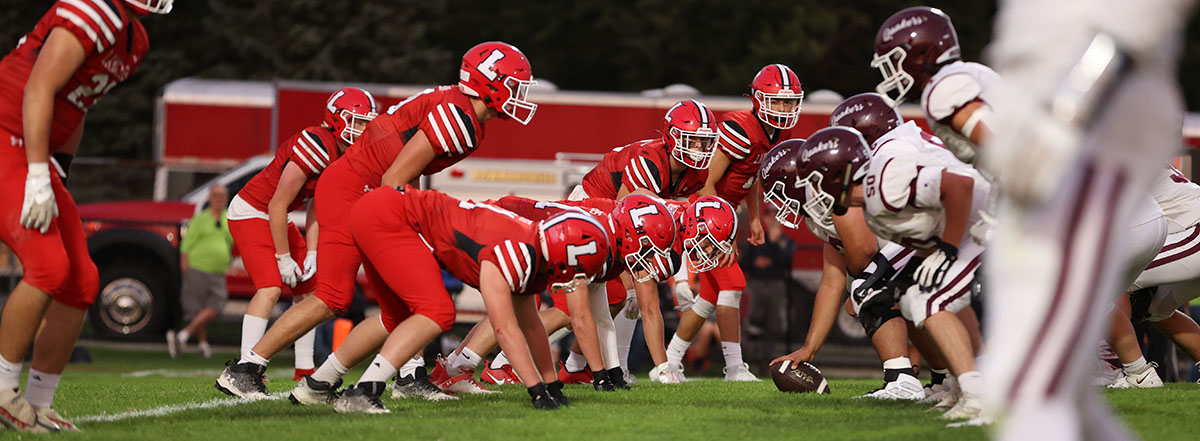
<point>542,400</point>
<point>601,382</point>
<point>932,271</point>
<point>555,390</point>
<point>617,377</point>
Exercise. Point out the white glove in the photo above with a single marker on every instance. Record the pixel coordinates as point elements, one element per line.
<point>38,209</point>
<point>684,297</point>
<point>632,310</point>
<point>933,269</point>
<point>289,271</point>
<point>310,266</point>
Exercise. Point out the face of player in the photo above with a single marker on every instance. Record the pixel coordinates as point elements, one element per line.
<point>785,105</point>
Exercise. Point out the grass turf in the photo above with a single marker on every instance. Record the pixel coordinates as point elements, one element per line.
<point>126,381</point>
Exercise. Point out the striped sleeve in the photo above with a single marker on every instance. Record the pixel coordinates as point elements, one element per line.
<point>310,153</point>
<point>450,129</point>
<point>515,260</point>
<point>733,140</point>
<point>642,172</point>
<point>95,23</point>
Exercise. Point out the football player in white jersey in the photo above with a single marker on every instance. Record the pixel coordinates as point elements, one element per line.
<point>1090,110</point>
<point>917,52</point>
<point>850,247</point>
<point>916,194</point>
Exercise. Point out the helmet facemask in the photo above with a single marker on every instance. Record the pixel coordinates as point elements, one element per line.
<point>152,6</point>
<point>779,119</point>
<point>694,149</point>
<point>351,119</point>
<point>818,204</point>
<point>644,260</point>
<point>704,251</point>
<point>788,212</point>
<point>517,106</point>
<point>896,82</point>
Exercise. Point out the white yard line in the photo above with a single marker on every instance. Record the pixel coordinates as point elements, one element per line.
<point>168,409</point>
<point>173,373</point>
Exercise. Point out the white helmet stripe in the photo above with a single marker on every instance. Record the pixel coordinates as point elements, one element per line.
<point>703,113</point>
<point>571,215</point>
<point>785,80</point>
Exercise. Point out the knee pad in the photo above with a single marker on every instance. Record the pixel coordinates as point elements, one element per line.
<point>703,308</point>
<point>732,299</point>
<point>873,318</point>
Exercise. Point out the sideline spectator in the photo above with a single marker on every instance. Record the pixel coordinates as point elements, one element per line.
<point>204,255</point>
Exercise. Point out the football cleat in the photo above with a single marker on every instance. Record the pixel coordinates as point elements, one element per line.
<point>243,380</point>
<point>503,375</point>
<point>205,350</point>
<point>737,373</point>
<point>301,373</point>
<point>17,414</point>
<point>904,387</point>
<point>667,374</point>
<point>310,391</point>
<point>172,344</point>
<point>568,377</point>
<point>1147,378</point>
<point>419,386</point>
<point>629,378</point>
<point>362,398</point>
<point>967,408</point>
<point>463,383</point>
<point>49,414</point>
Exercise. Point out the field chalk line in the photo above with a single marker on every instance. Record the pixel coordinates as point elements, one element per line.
<point>169,409</point>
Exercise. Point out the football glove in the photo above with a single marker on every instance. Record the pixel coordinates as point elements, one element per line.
<point>932,271</point>
<point>617,377</point>
<point>289,271</point>
<point>600,381</point>
<point>684,297</point>
<point>555,390</point>
<point>38,209</point>
<point>541,397</point>
<point>310,266</point>
<point>632,311</point>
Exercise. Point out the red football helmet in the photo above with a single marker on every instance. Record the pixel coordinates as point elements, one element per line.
<point>779,183</point>
<point>910,47</point>
<point>347,108</point>
<point>499,74</point>
<point>143,7</point>
<point>575,247</point>
<point>777,96</point>
<point>829,163</point>
<point>869,113</point>
<point>645,233</point>
<point>689,130</point>
<point>709,227</point>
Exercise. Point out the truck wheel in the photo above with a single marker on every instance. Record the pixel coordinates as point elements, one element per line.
<point>132,304</point>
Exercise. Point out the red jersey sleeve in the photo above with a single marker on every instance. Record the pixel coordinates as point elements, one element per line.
<point>95,23</point>
<point>450,130</point>
<point>642,171</point>
<point>515,261</point>
<point>311,153</point>
<point>733,140</point>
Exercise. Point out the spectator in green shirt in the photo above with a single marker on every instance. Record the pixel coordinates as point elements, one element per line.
<point>204,254</point>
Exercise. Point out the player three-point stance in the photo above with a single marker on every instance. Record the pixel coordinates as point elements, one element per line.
<point>673,166</point>
<point>258,216</point>
<point>745,137</point>
<point>419,136</point>
<point>78,51</point>
<point>405,236</point>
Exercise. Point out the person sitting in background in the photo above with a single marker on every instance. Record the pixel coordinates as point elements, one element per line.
<point>204,255</point>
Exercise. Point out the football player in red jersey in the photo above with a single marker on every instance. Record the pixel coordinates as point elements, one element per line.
<point>77,52</point>
<point>258,216</point>
<point>406,234</point>
<point>745,137</point>
<point>675,165</point>
<point>419,136</point>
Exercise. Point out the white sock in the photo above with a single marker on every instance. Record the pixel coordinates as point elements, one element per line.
<point>971,383</point>
<point>252,357</point>
<point>499,361</point>
<point>379,371</point>
<point>576,362</point>
<point>733,353</point>
<point>898,363</point>
<point>182,336</point>
<point>330,371</point>
<point>624,327</point>
<point>1137,365</point>
<point>39,389</point>
<point>462,362</point>
<point>10,374</point>
<point>676,349</point>
<point>410,367</point>
<point>304,349</point>
<point>253,329</point>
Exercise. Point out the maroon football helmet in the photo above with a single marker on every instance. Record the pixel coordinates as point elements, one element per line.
<point>869,113</point>
<point>779,183</point>
<point>910,47</point>
<point>830,161</point>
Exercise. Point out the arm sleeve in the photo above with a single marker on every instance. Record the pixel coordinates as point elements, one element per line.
<point>515,261</point>
<point>309,152</point>
<point>642,172</point>
<point>95,23</point>
<point>733,140</point>
<point>450,129</point>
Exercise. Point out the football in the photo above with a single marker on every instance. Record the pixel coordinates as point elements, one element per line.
<point>800,377</point>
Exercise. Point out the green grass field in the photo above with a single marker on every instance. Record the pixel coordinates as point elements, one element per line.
<point>129,394</point>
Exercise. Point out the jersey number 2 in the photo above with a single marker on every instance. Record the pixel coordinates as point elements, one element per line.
<point>100,86</point>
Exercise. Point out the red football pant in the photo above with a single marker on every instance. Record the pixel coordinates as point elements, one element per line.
<point>338,258</point>
<point>712,282</point>
<point>616,294</point>
<point>399,265</point>
<point>56,262</point>
<point>257,248</point>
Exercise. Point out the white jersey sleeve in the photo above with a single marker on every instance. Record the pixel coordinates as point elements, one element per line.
<point>1179,199</point>
<point>952,87</point>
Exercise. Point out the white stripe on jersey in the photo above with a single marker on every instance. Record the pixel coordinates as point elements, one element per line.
<point>70,16</point>
<point>316,144</point>
<point>449,130</point>
<point>517,266</point>
<point>302,158</point>
<point>652,178</point>
<point>635,176</point>
<point>95,16</point>
<point>528,266</point>
<point>462,127</point>
<point>437,131</point>
<point>312,153</point>
<point>112,15</point>
<point>743,142</point>
<point>504,267</point>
